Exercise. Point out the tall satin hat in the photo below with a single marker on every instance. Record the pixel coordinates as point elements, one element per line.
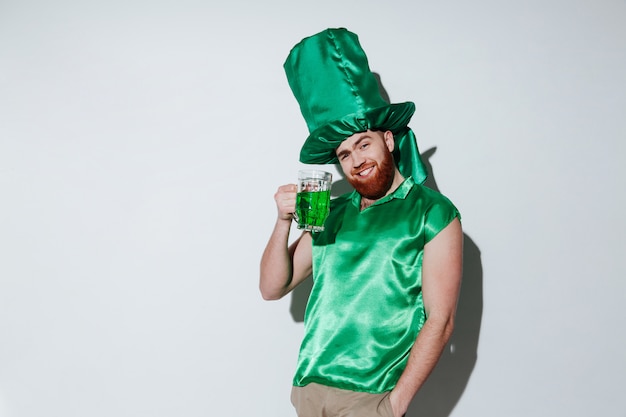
<point>339,96</point>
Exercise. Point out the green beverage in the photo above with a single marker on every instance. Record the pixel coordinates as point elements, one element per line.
<point>312,208</point>
<point>313,199</point>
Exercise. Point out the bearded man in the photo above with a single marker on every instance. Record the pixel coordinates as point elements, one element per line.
<point>387,266</point>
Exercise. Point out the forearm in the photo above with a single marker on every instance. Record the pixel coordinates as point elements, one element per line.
<point>422,360</point>
<point>276,263</point>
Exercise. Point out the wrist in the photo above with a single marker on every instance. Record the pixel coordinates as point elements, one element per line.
<point>283,224</point>
<point>398,404</point>
<point>284,218</point>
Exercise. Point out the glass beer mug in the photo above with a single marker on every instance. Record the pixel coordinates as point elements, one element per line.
<point>313,199</point>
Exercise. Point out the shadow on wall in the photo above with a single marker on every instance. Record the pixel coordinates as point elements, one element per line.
<point>446,384</point>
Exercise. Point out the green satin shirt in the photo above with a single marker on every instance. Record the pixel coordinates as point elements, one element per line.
<point>366,309</point>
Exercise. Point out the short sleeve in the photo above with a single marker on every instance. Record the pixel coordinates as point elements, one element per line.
<point>439,215</point>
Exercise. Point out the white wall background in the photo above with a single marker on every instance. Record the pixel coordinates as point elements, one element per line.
<point>141,143</point>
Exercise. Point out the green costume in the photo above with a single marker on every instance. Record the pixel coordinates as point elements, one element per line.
<point>366,308</point>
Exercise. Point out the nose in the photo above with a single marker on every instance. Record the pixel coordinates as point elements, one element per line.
<point>357,160</point>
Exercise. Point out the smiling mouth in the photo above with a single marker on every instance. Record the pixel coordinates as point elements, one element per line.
<point>365,172</point>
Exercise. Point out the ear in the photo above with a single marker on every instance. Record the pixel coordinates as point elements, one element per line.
<point>389,140</point>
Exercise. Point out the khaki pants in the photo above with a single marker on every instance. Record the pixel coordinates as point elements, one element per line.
<point>315,400</point>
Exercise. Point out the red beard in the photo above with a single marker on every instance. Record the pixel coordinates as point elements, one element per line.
<point>376,186</point>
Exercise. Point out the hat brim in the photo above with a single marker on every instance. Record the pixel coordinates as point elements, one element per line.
<point>319,147</point>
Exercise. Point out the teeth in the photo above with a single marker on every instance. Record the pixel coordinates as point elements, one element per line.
<point>365,171</point>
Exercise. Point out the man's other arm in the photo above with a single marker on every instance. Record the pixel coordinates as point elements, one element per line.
<point>441,281</point>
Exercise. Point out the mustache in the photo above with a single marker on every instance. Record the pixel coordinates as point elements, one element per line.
<point>362,167</point>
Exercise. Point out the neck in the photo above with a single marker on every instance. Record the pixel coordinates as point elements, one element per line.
<point>397,180</point>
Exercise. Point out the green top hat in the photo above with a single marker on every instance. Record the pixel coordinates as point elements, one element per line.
<point>339,96</point>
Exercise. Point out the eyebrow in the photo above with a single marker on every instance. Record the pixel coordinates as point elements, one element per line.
<point>359,140</point>
<point>354,145</point>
